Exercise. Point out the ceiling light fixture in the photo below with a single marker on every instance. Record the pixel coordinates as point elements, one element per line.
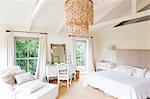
<point>79,15</point>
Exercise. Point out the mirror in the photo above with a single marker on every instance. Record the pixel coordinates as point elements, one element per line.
<point>58,53</point>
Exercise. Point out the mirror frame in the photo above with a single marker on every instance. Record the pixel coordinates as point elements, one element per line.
<point>52,55</point>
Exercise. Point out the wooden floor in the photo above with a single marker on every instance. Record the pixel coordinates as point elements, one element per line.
<point>78,91</point>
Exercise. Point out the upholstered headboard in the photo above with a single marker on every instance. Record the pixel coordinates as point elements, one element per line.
<point>138,58</point>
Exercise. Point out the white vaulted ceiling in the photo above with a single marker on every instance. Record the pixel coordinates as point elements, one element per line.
<point>51,15</point>
<point>16,12</point>
<point>41,15</point>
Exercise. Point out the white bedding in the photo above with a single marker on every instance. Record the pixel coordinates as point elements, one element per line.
<point>120,85</point>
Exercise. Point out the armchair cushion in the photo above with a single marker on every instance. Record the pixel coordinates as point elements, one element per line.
<point>22,78</point>
<point>7,74</point>
<point>6,87</point>
<point>33,87</point>
<point>7,78</point>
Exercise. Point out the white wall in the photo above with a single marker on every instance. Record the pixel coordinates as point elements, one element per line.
<point>149,34</point>
<point>62,38</point>
<point>2,46</point>
<point>54,38</point>
<point>133,36</point>
<point>96,46</point>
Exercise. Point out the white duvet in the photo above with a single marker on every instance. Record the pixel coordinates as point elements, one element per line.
<point>120,85</point>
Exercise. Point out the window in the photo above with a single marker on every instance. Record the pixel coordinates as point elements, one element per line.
<point>80,47</point>
<point>26,53</point>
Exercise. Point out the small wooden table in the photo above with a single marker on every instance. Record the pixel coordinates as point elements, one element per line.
<point>77,74</point>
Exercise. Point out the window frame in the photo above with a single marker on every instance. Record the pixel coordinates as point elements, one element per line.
<point>26,58</point>
<point>85,41</point>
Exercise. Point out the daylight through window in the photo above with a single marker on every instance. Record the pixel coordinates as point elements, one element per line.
<point>27,53</point>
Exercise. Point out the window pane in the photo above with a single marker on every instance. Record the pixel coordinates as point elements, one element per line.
<point>80,53</point>
<point>33,48</point>
<point>22,64</point>
<point>21,48</point>
<point>32,66</point>
<point>27,53</point>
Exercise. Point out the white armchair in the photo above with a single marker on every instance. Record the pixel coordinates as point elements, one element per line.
<point>8,91</point>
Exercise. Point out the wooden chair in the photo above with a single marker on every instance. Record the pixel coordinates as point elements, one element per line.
<point>64,75</point>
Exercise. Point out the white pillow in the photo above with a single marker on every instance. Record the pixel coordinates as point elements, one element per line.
<point>139,72</point>
<point>19,72</point>
<point>33,87</point>
<point>7,78</point>
<point>125,69</point>
<point>147,75</point>
<point>22,78</point>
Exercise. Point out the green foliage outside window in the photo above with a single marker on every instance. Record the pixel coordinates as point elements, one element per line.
<point>27,53</point>
<point>80,53</point>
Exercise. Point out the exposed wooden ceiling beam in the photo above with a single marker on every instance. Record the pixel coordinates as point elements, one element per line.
<point>40,5</point>
<point>61,26</point>
<point>133,6</point>
<point>107,11</point>
<point>142,4</point>
<point>118,20</point>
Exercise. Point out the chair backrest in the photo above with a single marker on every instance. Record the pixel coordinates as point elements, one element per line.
<point>63,69</point>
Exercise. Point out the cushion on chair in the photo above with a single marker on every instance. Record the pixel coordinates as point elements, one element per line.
<point>19,72</point>
<point>7,78</point>
<point>7,74</point>
<point>33,87</point>
<point>6,87</point>
<point>49,91</point>
<point>22,78</point>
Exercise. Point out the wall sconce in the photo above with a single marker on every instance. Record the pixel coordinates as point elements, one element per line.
<point>113,47</point>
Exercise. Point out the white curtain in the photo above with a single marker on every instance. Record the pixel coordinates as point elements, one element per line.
<point>72,50</point>
<point>42,57</point>
<point>90,60</point>
<point>6,50</point>
<point>90,64</point>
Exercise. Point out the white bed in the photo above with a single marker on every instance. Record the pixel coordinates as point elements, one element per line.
<point>119,84</point>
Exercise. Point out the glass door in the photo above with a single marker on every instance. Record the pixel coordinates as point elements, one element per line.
<point>81,52</point>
